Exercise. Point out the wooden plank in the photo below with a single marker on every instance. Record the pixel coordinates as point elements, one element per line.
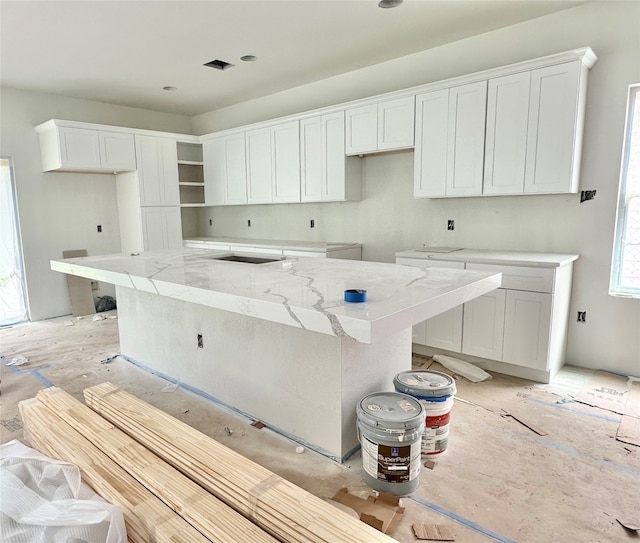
<point>433,532</point>
<point>201,509</point>
<point>146,518</point>
<point>292,514</point>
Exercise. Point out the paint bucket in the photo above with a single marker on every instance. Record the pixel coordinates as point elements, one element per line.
<point>435,391</point>
<point>390,425</point>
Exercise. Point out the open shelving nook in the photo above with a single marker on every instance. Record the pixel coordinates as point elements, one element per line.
<point>190,174</point>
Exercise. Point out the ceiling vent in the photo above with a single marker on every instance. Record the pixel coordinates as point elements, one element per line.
<point>219,64</point>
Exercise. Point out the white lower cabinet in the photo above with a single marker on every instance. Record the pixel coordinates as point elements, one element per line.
<point>527,323</point>
<point>483,325</point>
<point>523,324</point>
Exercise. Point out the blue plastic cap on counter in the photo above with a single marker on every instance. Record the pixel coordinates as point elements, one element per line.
<point>355,295</point>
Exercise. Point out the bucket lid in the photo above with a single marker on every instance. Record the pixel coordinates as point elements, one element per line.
<point>425,383</point>
<point>390,410</point>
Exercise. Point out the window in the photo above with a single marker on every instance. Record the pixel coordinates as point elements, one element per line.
<point>13,307</point>
<point>625,269</point>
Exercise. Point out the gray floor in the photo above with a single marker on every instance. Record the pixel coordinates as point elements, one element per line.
<point>498,481</point>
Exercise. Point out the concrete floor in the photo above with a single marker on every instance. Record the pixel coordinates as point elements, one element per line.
<point>498,481</point>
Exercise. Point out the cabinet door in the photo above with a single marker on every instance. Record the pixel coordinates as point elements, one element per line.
<point>157,171</point>
<point>333,157</point>
<point>506,134</point>
<point>161,228</point>
<point>362,129</point>
<point>214,157</point>
<point>311,159</point>
<point>430,159</point>
<point>552,153</point>
<point>285,145</point>
<point>465,146</point>
<point>79,148</point>
<point>445,330</point>
<point>235,173</point>
<point>527,326</point>
<point>483,325</point>
<point>225,174</point>
<point>172,227</point>
<point>259,166</point>
<point>117,151</point>
<point>396,119</point>
<point>153,228</point>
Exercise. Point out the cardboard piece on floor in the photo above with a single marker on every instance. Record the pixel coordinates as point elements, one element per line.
<point>430,464</point>
<point>607,391</point>
<point>382,513</point>
<point>80,291</point>
<point>433,532</point>
<point>629,430</point>
<point>257,424</point>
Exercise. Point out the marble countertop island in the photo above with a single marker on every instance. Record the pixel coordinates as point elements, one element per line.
<point>305,293</point>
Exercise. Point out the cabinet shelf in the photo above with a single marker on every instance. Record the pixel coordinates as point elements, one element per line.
<point>191,184</point>
<point>191,162</point>
<point>193,205</point>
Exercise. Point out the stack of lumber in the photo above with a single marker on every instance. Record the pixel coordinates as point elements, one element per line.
<point>171,480</point>
<point>283,509</point>
<point>216,520</point>
<point>146,518</point>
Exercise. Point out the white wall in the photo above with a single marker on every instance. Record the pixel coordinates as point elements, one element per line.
<point>389,219</point>
<point>60,211</point>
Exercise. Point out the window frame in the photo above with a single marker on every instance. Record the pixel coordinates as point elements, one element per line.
<point>615,286</point>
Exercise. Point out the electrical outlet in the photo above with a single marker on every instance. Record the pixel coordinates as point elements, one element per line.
<point>249,222</point>
<point>587,195</point>
<point>582,316</point>
<point>200,342</point>
<point>99,229</point>
<point>450,224</point>
<point>210,222</point>
<point>312,223</point>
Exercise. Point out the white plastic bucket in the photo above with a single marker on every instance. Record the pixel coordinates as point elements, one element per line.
<point>435,391</point>
<point>390,427</point>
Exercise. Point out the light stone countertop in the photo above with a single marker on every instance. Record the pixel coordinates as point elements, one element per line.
<point>301,292</point>
<point>311,246</point>
<point>488,256</point>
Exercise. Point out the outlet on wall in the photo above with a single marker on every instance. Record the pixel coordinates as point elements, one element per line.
<point>312,223</point>
<point>582,316</point>
<point>249,222</point>
<point>450,224</point>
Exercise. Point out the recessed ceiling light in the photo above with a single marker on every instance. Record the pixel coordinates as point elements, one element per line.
<point>389,3</point>
<point>249,58</point>
<point>170,88</point>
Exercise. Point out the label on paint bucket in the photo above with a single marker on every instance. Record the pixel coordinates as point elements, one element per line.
<point>393,464</point>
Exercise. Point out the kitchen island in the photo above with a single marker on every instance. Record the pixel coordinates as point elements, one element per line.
<point>275,341</point>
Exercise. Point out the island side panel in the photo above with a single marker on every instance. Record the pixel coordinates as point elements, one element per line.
<point>303,383</point>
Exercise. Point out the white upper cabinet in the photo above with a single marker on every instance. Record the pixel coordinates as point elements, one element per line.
<point>327,175</point>
<point>71,148</point>
<point>362,129</point>
<point>506,135</point>
<point>259,166</point>
<point>273,164</point>
<point>555,128</point>
<point>449,155</point>
<point>465,139</point>
<point>225,173</point>
<point>285,145</point>
<point>380,127</point>
<point>157,171</point>
<point>430,159</point>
